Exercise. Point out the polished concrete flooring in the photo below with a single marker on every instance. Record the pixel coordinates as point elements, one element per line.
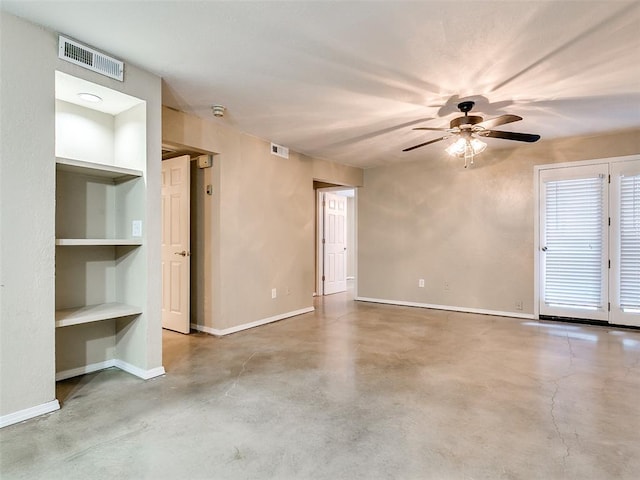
<point>354,391</point>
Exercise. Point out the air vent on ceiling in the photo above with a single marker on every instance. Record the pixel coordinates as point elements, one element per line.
<point>87,57</point>
<point>280,150</point>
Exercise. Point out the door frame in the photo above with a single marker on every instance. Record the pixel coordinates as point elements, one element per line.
<point>536,216</point>
<point>319,260</point>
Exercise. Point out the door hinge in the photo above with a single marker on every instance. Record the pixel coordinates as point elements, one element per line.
<point>609,178</point>
<point>609,263</point>
<point>609,306</point>
<point>609,221</point>
<point>323,278</point>
<point>323,240</point>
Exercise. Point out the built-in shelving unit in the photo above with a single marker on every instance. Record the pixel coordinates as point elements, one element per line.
<point>100,285</point>
<point>94,313</point>
<point>80,242</point>
<point>95,169</point>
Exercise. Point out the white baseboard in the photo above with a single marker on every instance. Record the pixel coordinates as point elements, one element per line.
<point>139,372</point>
<point>246,326</point>
<point>127,367</point>
<point>480,311</point>
<point>92,367</point>
<point>27,413</point>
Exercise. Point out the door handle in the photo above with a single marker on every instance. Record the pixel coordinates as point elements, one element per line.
<point>544,249</point>
<point>183,253</point>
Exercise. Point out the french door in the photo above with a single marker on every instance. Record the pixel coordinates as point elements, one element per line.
<point>589,243</point>
<point>625,240</point>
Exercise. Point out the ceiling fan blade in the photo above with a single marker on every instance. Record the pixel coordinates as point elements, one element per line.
<point>520,137</point>
<point>501,120</point>
<point>432,128</point>
<point>425,143</point>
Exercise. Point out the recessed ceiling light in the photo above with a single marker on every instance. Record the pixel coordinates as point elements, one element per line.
<point>90,97</point>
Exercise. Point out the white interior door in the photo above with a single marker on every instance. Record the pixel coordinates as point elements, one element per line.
<point>625,243</point>
<point>176,256</point>
<point>334,243</point>
<point>574,252</point>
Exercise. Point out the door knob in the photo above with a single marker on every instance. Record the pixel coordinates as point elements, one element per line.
<point>183,253</point>
<point>544,249</point>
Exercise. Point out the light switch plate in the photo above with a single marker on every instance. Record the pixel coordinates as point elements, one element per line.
<point>136,228</point>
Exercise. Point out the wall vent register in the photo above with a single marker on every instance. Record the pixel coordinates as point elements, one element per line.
<point>91,59</point>
<point>279,150</point>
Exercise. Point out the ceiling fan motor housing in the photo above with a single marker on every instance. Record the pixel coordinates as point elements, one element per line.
<point>466,120</point>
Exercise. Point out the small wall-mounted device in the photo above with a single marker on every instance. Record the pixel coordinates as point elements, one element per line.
<point>205,161</point>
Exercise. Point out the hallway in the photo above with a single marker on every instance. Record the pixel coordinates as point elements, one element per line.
<point>354,391</point>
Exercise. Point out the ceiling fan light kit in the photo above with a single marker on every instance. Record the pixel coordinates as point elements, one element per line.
<point>467,149</point>
<point>468,129</point>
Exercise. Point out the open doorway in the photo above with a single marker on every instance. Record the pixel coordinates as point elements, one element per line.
<point>335,239</point>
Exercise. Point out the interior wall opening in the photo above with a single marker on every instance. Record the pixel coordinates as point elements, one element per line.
<point>335,238</point>
<point>184,297</point>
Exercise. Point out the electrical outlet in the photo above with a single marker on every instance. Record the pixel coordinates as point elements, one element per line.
<point>446,286</point>
<point>518,304</point>
<point>274,293</point>
<point>421,283</point>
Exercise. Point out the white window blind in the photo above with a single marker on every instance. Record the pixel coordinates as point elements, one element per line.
<point>630,242</point>
<point>574,243</point>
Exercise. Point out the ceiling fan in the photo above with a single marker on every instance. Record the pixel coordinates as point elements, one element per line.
<point>470,128</point>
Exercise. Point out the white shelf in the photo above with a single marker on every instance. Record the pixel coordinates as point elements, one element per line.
<point>96,169</point>
<point>94,313</point>
<point>82,242</point>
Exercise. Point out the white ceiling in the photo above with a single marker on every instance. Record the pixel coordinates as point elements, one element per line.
<point>347,80</point>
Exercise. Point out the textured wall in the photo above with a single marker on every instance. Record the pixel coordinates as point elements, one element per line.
<point>266,232</point>
<point>256,232</point>
<point>27,179</point>
<point>336,173</point>
<point>351,237</point>
<point>467,232</point>
<point>27,215</point>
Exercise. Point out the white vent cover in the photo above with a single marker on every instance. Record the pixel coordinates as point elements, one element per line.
<point>279,150</point>
<point>87,57</point>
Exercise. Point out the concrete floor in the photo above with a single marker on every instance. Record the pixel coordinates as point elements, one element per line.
<point>354,391</point>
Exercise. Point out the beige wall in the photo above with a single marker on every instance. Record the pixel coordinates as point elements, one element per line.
<point>27,185</point>
<point>256,232</point>
<point>351,237</point>
<point>335,173</point>
<point>27,177</point>
<point>467,232</point>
